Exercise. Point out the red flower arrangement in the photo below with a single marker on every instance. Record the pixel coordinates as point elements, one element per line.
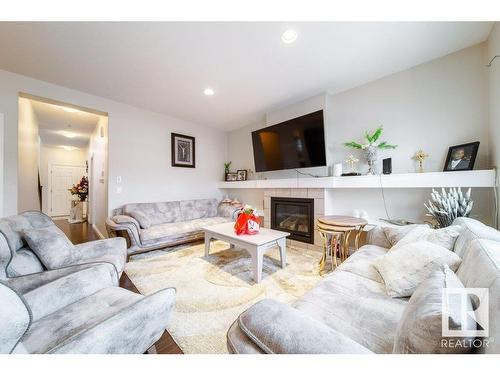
<point>247,221</point>
<point>81,189</point>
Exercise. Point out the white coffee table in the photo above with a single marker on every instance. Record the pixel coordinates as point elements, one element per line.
<point>256,244</point>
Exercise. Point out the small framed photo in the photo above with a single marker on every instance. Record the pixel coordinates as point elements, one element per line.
<point>461,157</point>
<point>242,174</point>
<point>231,176</point>
<point>183,151</point>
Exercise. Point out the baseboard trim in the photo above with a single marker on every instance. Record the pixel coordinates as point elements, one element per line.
<point>98,232</point>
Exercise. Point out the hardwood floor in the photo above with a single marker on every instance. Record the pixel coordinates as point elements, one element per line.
<point>77,233</point>
<point>83,232</point>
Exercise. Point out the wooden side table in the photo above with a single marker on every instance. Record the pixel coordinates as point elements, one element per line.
<point>336,230</point>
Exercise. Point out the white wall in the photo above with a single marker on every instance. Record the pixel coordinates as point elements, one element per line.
<point>28,198</point>
<point>98,189</point>
<point>139,147</point>
<point>1,164</point>
<point>432,106</point>
<point>139,152</point>
<point>56,155</point>
<point>494,94</point>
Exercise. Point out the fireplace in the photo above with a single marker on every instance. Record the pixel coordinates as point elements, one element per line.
<point>295,216</point>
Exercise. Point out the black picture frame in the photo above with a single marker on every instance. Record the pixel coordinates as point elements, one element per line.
<point>231,176</point>
<point>177,159</point>
<point>469,157</point>
<point>242,174</point>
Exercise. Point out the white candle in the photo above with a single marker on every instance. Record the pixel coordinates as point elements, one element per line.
<point>337,170</point>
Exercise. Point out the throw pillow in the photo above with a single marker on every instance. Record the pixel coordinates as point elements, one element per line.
<point>142,218</point>
<point>444,237</point>
<point>425,309</point>
<point>395,233</point>
<point>405,267</point>
<point>51,246</point>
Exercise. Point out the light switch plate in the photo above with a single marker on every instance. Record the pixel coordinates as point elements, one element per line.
<point>119,179</point>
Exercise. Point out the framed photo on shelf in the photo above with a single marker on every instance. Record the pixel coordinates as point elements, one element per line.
<point>242,174</point>
<point>183,151</point>
<point>461,157</point>
<point>231,176</point>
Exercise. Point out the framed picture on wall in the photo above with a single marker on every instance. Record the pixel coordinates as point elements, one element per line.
<point>183,151</point>
<point>461,157</point>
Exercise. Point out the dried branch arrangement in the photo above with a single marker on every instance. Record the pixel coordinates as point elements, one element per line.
<point>447,206</point>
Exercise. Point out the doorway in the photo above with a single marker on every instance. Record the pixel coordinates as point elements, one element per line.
<point>58,142</point>
<point>61,177</point>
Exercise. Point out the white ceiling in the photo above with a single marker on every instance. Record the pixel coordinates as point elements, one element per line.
<point>165,67</point>
<point>54,123</point>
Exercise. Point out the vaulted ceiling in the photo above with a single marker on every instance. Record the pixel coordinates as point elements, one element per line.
<point>165,66</point>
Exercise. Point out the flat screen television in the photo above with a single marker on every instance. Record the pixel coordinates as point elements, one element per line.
<point>296,143</point>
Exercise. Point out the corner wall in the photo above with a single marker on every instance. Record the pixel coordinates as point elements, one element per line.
<point>98,189</point>
<point>29,148</point>
<point>494,97</point>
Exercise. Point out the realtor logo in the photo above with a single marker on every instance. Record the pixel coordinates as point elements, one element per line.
<point>469,319</point>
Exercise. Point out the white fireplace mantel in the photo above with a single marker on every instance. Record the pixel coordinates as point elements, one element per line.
<point>479,178</point>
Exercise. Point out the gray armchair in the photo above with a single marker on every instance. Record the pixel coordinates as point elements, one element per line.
<point>79,309</point>
<point>17,258</point>
<point>14,319</point>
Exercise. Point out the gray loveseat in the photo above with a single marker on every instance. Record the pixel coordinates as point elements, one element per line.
<point>150,226</point>
<point>350,312</point>
<point>78,308</point>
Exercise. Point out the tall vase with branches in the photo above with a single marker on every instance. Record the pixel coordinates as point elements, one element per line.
<point>371,147</point>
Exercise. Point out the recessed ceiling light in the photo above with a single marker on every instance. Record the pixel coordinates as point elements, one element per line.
<point>68,134</point>
<point>289,36</point>
<point>209,92</point>
<point>68,109</point>
<point>68,148</point>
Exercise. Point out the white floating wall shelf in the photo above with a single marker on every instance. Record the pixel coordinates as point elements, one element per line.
<point>479,178</point>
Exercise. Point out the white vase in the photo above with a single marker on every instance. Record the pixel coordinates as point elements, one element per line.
<point>371,154</point>
<point>76,214</point>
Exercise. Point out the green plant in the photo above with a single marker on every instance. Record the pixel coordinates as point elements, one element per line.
<point>227,166</point>
<point>372,141</point>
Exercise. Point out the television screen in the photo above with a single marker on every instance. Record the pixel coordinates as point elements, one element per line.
<point>296,143</point>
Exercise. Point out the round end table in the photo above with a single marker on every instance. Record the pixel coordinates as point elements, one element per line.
<point>336,231</point>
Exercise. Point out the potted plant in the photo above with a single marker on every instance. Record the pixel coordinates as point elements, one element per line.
<point>371,147</point>
<point>226,169</point>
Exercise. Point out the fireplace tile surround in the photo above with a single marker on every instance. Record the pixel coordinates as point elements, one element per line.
<point>319,210</point>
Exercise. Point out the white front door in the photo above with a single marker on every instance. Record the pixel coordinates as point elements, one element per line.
<point>62,178</point>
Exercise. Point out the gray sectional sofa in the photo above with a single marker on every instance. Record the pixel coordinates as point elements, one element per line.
<point>78,307</point>
<point>350,312</point>
<point>150,226</point>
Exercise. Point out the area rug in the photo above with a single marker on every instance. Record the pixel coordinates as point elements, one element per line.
<point>213,291</point>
